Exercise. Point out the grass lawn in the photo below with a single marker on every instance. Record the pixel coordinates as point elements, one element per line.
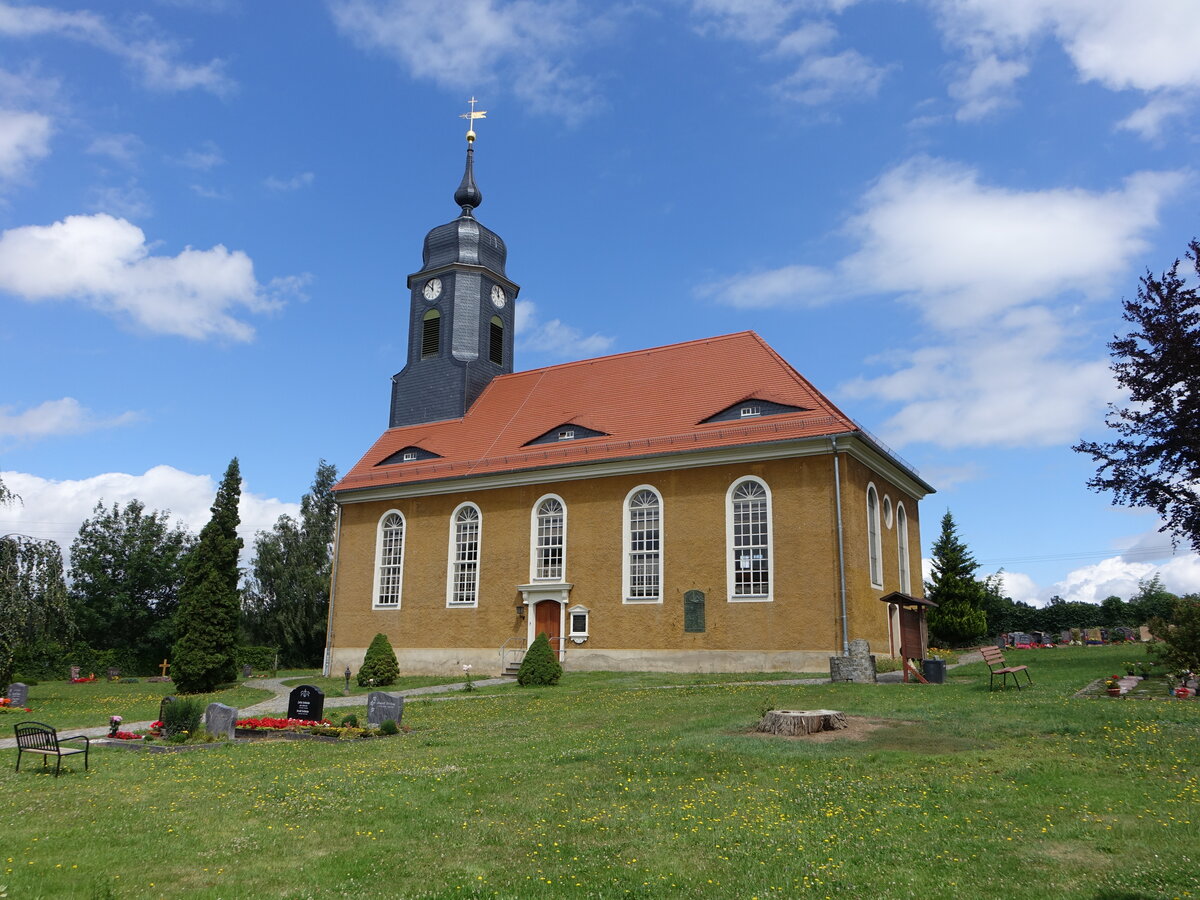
<point>333,686</point>
<point>594,789</point>
<point>66,705</point>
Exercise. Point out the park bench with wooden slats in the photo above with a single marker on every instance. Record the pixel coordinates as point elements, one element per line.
<point>997,666</point>
<point>34,737</point>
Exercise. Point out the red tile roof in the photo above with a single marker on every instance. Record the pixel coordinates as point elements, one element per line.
<point>647,402</point>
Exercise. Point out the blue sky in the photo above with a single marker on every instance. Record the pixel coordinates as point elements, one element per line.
<point>931,208</point>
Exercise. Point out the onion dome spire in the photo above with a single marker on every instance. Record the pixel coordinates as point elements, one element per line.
<point>468,195</point>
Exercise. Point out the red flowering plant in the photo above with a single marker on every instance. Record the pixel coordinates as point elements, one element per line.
<point>267,723</point>
<point>90,678</point>
<point>6,706</point>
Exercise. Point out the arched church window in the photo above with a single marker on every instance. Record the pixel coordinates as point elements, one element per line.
<point>549,539</point>
<point>874,548</point>
<point>902,548</point>
<point>431,334</point>
<point>389,560</point>
<point>496,341</point>
<point>748,537</point>
<point>643,546</point>
<point>465,528</point>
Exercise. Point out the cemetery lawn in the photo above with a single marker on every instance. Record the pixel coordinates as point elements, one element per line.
<point>594,789</point>
<point>65,705</point>
<point>333,687</point>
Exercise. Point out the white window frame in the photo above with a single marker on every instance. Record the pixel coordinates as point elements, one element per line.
<point>627,547</point>
<point>567,434</point>
<point>902,549</point>
<point>730,568</point>
<point>453,561</point>
<point>874,538</point>
<point>750,410</point>
<point>533,542</point>
<point>578,637</point>
<point>409,455</point>
<point>379,563</point>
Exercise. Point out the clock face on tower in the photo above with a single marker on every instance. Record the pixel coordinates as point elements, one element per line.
<point>499,298</point>
<point>432,289</point>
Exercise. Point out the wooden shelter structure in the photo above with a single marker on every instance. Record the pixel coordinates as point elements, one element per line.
<point>914,632</point>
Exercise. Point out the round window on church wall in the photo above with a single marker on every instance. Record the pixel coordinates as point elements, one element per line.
<point>887,511</point>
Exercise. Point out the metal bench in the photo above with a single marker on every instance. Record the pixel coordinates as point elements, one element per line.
<point>34,737</point>
<point>997,666</point>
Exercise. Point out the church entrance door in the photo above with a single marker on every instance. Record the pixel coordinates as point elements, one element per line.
<point>547,617</point>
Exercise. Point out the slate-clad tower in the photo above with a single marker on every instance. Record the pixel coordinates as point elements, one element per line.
<point>460,324</point>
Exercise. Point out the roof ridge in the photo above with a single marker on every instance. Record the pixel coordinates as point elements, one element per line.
<point>641,352</point>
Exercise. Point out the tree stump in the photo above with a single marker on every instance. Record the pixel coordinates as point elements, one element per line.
<point>791,722</point>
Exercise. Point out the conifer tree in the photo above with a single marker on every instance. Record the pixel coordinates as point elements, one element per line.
<point>959,619</point>
<point>540,665</point>
<point>379,667</point>
<point>1155,459</point>
<point>208,624</point>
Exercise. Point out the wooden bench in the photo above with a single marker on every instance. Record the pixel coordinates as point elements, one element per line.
<point>994,658</point>
<point>34,737</point>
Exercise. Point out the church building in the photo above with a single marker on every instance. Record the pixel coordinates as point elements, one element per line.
<point>697,507</point>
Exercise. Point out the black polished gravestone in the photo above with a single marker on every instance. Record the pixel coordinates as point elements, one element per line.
<point>306,702</point>
<point>693,611</point>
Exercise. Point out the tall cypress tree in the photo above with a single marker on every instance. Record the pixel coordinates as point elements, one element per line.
<point>959,619</point>
<point>208,618</point>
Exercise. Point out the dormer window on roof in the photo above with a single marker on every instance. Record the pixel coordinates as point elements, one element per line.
<point>407,454</point>
<point>752,407</point>
<point>567,434</point>
<point>568,431</point>
<point>748,411</point>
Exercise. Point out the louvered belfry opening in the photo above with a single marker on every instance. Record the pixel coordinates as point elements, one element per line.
<point>496,342</point>
<point>431,334</point>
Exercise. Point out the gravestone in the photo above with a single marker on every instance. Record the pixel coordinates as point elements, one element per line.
<point>693,611</point>
<point>306,702</point>
<point>381,707</point>
<point>246,671</point>
<point>1065,637</point>
<point>858,667</point>
<point>114,674</point>
<point>220,720</point>
<point>74,672</point>
<point>18,693</point>
<point>162,707</point>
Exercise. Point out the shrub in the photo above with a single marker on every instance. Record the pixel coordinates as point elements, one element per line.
<point>184,714</point>
<point>389,726</point>
<point>379,664</point>
<point>1178,647</point>
<point>540,665</point>
<point>350,720</point>
<point>261,659</point>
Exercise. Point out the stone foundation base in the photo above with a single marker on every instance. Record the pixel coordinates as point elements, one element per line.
<point>486,662</point>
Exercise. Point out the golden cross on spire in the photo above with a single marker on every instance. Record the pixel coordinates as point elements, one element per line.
<point>471,117</point>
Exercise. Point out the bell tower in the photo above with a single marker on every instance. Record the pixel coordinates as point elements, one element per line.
<point>461,313</point>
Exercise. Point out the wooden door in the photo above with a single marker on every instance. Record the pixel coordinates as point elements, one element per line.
<point>547,617</point>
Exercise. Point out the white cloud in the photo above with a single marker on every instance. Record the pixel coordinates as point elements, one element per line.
<point>794,28</point>
<point>295,183</point>
<point>24,139</point>
<point>55,417</point>
<point>1150,120</point>
<point>526,45</point>
<point>128,201</point>
<point>203,158</point>
<point>148,53</point>
<point>1149,46</point>
<point>123,148</point>
<point>105,263</point>
<point>555,338</point>
<point>996,273</point>
<point>55,509</point>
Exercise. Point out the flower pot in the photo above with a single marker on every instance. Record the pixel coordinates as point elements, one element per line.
<point>1114,692</point>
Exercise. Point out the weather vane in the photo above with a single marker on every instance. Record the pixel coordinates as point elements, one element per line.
<point>471,117</point>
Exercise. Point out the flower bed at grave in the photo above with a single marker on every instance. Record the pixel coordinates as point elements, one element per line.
<point>266,723</point>
<point>126,736</point>
<point>7,706</point>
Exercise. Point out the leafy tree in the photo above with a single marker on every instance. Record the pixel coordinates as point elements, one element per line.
<point>286,602</point>
<point>1178,646</point>
<point>33,597</point>
<point>959,619</point>
<point>126,569</point>
<point>207,623</point>
<point>380,666</point>
<point>540,665</point>
<point>1152,601</point>
<point>1114,612</point>
<point>1155,459</point>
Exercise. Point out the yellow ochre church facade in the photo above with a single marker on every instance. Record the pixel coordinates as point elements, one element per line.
<point>699,507</point>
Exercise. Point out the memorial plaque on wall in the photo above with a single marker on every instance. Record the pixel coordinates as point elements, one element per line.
<point>306,702</point>
<point>693,611</point>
